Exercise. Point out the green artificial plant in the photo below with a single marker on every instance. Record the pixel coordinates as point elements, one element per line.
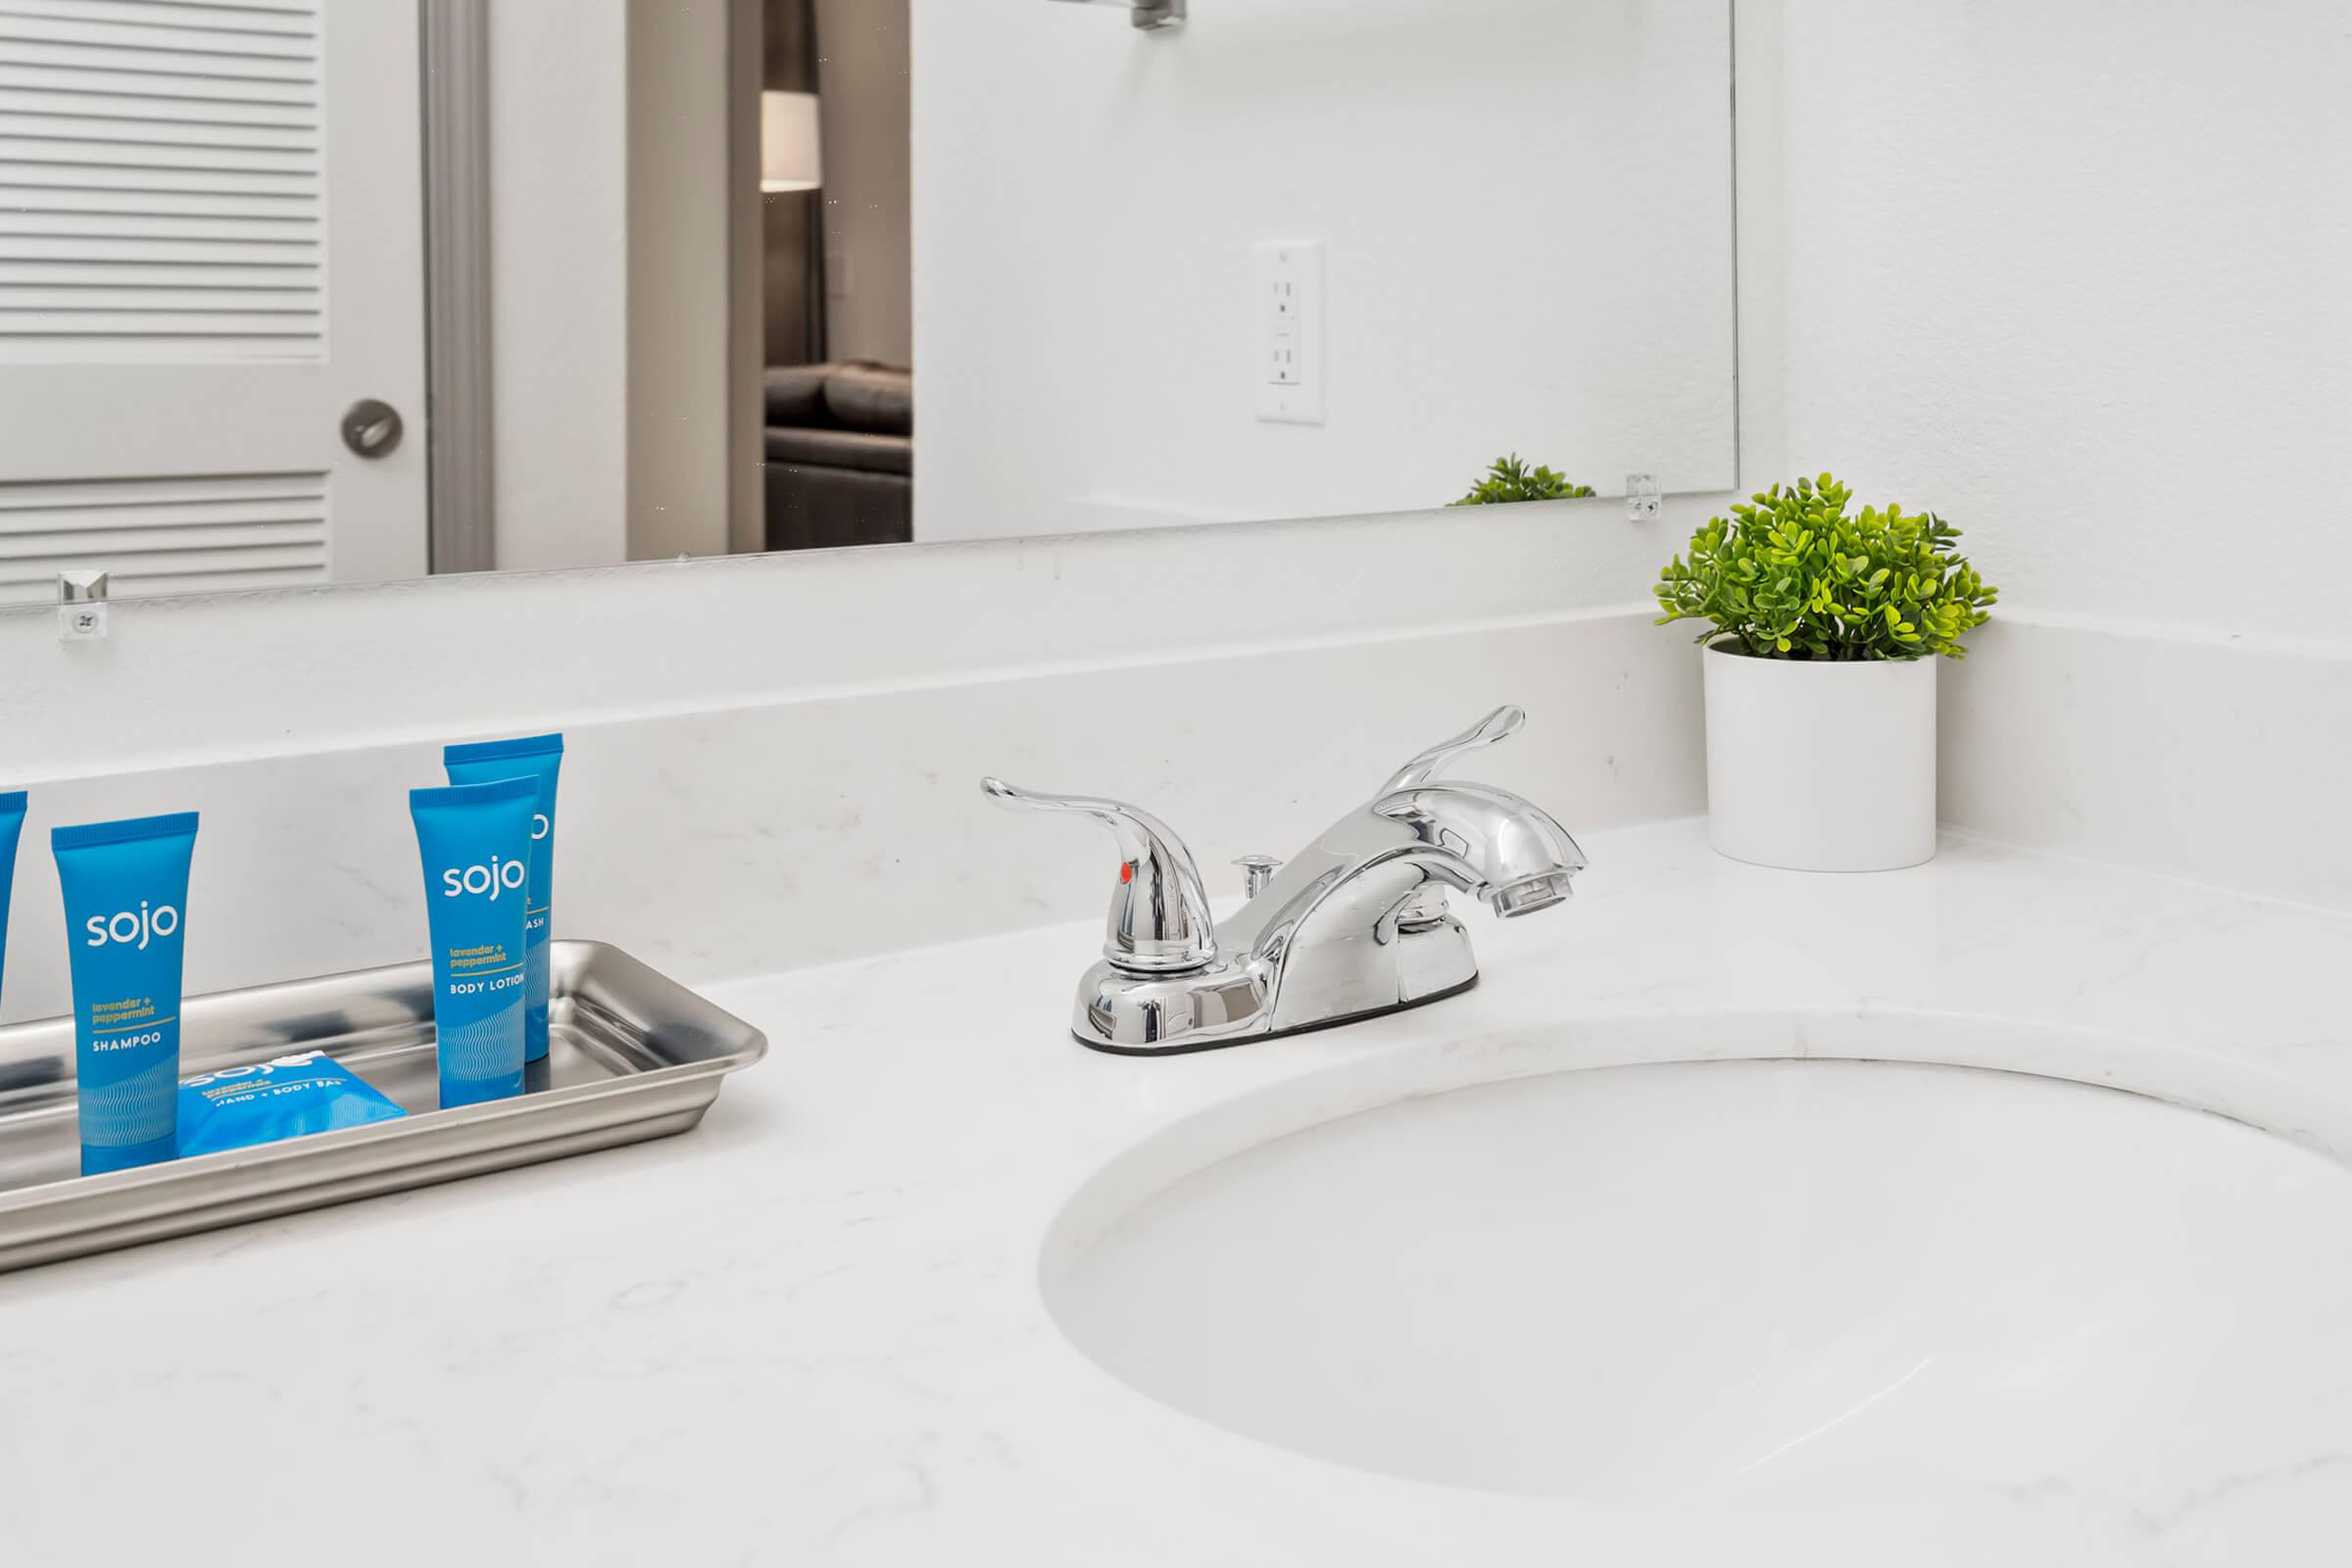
<point>1512,480</point>
<point>1794,577</point>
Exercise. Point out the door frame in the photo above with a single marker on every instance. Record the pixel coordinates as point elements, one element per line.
<point>747,347</point>
<point>459,415</point>
<point>461,490</point>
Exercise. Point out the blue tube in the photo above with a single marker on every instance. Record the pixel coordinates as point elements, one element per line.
<point>12,828</point>
<point>126,888</point>
<point>476,841</point>
<point>537,757</point>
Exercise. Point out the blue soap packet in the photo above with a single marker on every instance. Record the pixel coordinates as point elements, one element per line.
<point>237,1108</point>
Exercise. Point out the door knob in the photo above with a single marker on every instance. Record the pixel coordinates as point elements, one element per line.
<point>372,427</point>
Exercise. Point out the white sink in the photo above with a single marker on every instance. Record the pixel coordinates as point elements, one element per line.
<point>1605,1283</point>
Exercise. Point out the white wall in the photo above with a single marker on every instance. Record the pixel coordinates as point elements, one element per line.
<point>558,208</point>
<point>2080,276</point>
<point>1526,212</point>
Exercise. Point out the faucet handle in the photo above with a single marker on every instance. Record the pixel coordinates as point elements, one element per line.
<point>1158,921</point>
<point>1502,724</point>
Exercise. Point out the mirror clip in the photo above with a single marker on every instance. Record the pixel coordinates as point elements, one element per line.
<point>81,604</point>
<point>1643,501</point>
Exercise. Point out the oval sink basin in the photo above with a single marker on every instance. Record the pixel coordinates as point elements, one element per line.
<point>1603,1282</point>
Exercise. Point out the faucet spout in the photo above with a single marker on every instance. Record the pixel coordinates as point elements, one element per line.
<point>1358,923</point>
<point>1523,861</point>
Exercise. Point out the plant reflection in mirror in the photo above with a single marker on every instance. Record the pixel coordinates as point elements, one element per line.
<point>1510,479</point>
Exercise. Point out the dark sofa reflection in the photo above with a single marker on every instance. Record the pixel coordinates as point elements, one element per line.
<point>840,451</point>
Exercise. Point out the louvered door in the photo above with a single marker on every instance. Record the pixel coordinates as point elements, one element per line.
<point>210,246</point>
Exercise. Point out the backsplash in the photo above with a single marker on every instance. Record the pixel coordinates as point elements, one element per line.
<point>804,829</point>
<point>2222,759</point>
<point>192,680</point>
<point>772,835</point>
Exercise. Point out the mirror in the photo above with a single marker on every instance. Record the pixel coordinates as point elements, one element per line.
<point>645,281</point>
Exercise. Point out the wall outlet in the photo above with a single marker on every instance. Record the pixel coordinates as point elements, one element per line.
<point>1286,318</point>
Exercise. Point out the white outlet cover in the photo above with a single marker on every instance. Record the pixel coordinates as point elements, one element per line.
<point>1286,330</point>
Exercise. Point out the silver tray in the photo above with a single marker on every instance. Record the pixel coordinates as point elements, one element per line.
<point>632,1054</point>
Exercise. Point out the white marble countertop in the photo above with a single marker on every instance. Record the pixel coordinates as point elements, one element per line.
<point>812,1331</point>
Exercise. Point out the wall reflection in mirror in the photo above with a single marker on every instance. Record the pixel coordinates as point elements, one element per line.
<point>307,292</point>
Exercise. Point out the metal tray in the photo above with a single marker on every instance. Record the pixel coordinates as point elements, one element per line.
<point>631,1055</point>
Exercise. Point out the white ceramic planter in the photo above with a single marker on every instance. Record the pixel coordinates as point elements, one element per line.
<point>1821,766</point>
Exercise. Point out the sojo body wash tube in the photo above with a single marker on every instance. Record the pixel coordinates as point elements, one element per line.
<point>127,892</point>
<point>537,757</point>
<point>476,841</point>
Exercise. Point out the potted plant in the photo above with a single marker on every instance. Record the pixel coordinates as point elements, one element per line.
<point>1825,631</point>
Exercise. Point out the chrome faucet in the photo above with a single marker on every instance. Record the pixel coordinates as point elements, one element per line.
<point>1354,927</point>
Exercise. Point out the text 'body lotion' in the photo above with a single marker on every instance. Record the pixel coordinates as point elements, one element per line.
<point>538,757</point>
<point>476,843</point>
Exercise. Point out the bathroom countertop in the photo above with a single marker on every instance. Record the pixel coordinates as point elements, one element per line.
<point>812,1331</point>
